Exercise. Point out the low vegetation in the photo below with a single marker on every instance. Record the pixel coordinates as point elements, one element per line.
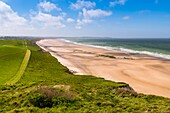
<point>109,56</point>
<point>47,86</point>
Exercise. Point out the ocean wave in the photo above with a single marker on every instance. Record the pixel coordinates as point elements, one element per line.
<point>154,54</point>
<point>96,46</point>
<point>124,50</point>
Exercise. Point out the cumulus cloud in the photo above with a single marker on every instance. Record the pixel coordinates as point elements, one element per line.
<point>95,13</point>
<point>48,7</point>
<point>126,17</point>
<point>13,24</point>
<point>80,4</point>
<point>43,20</point>
<point>88,16</point>
<point>117,2</point>
<point>70,20</point>
<point>82,22</point>
<point>10,20</point>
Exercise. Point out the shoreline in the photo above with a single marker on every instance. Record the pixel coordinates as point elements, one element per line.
<point>124,50</point>
<point>145,74</point>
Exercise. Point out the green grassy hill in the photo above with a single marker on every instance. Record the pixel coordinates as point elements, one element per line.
<point>11,56</point>
<point>46,87</point>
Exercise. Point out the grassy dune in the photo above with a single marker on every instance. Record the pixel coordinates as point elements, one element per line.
<point>47,86</point>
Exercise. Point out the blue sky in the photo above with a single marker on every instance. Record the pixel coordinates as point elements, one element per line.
<point>78,18</point>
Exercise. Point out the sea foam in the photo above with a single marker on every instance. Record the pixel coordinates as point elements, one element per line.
<point>124,50</point>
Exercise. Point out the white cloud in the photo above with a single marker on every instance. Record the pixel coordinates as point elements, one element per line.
<point>80,4</point>
<point>78,27</point>
<point>83,22</point>
<point>70,20</point>
<point>10,20</point>
<point>117,2</point>
<point>48,7</point>
<point>126,18</point>
<point>39,23</point>
<point>95,13</point>
<point>43,20</point>
<point>88,16</point>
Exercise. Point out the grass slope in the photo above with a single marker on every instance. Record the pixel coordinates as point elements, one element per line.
<point>48,87</point>
<point>21,70</point>
<point>11,55</point>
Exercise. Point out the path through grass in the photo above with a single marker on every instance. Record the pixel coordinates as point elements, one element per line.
<point>10,61</point>
<point>21,70</point>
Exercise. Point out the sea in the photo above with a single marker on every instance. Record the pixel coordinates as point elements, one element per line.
<point>158,47</point>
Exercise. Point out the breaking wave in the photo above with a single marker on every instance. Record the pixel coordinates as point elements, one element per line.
<point>125,50</point>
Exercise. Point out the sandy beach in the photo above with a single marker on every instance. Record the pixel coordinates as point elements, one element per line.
<point>145,74</point>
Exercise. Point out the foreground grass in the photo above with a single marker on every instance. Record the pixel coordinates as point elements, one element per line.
<point>47,86</point>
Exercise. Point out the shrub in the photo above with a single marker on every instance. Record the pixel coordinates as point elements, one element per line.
<point>60,90</point>
<point>47,96</point>
<point>40,100</point>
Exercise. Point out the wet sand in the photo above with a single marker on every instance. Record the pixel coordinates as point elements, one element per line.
<point>145,74</point>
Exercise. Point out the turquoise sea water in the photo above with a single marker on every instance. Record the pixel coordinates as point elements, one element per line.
<point>153,47</point>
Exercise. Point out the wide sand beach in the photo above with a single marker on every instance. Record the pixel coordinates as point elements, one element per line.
<point>145,74</point>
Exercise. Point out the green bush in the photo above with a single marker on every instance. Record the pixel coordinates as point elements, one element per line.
<point>43,101</point>
<point>40,100</point>
<point>48,96</point>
